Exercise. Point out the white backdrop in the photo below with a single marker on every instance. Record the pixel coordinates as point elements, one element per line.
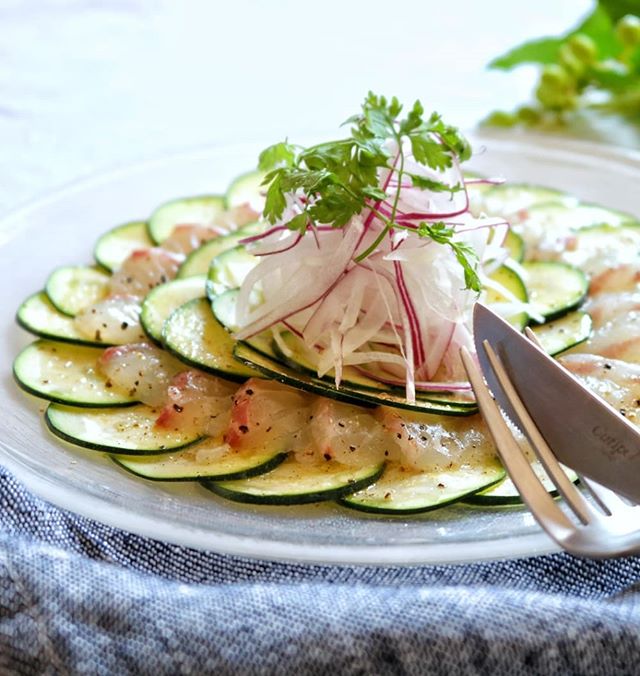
<point>91,84</point>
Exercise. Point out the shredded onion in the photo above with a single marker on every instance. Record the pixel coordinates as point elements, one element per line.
<point>400,315</point>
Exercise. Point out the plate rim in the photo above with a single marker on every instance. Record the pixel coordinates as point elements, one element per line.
<point>456,553</point>
<point>359,554</point>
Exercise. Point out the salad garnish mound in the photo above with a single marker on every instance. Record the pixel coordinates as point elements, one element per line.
<point>372,258</point>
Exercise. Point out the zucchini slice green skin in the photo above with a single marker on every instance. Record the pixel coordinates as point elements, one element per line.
<point>65,374</point>
<point>505,493</point>
<point>161,301</point>
<point>227,270</point>
<point>223,307</point>
<point>567,331</point>
<point>511,198</point>
<point>398,492</point>
<point>246,188</point>
<point>116,430</point>
<point>275,371</point>
<point>511,280</point>
<point>515,245</point>
<point>352,378</point>
<point>192,334</point>
<point>183,466</point>
<point>71,289</point>
<point>555,288</point>
<point>259,355</point>
<point>199,260</point>
<point>117,244</point>
<point>224,312</point>
<point>283,485</point>
<point>199,210</point>
<point>38,316</point>
<point>577,216</point>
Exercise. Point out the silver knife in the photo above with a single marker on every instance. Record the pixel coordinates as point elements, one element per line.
<point>584,432</point>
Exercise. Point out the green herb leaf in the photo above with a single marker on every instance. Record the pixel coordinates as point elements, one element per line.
<point>275,201</point>
<point>334,181</point>
<point>299,222</point>
<point>435,186</point>
<point>279,154</point>
<point>465,255</point>
<point>429,152</point>
<point>541,50</point>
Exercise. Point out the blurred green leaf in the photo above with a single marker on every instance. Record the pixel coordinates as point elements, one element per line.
<point>598,25</point>
<point>600,28</point>
<point>616,9</point>
<point>594,66</point>
<point>541,50</point>
<point>613,79</point>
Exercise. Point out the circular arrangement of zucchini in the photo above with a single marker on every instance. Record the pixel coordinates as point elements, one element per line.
<point>191,315</point>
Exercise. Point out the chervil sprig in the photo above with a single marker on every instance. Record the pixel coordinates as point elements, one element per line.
<point>443,234</point>
<point>336,180</point>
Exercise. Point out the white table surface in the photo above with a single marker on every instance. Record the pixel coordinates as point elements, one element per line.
<point>86,85</point>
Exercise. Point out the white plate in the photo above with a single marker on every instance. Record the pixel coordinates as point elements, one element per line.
<point>62,229</point>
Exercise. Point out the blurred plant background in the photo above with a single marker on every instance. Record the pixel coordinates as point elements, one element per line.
<point>591,70</point>
<point>86,85</point>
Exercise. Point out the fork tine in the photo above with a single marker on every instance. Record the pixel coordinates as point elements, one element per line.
<point>540,503</point>
<point>576,501</point>
<point>532,337</point>
<point>609,500</point>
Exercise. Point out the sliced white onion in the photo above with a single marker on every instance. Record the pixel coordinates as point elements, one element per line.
<point>405,310</point>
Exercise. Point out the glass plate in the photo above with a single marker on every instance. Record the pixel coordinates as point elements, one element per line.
<point>62,229</point>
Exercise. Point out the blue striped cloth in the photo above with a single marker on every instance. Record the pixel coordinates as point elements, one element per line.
<point>77,597</point>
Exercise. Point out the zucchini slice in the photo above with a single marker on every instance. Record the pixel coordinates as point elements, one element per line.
<point>38,316</point>
<point>66,374</point>
<point>210,459</point>
<point>293,483</point>
<point>258,354</point>
<point>263,354</point>
<point>565,332</point>
<point>505,492</point>
<point>274,370</point>
<point>200,210</point>
<point>161,301</point>
<point>297,358</point>
<point>119,243</point>
<point>401,491</point>
<point>576,216</point>
<point>199,260</point>
<point>515,245</point>
<point>128,430</point>
<point>228,270</point>
<point>554,288</point>
<point>605,246</point>
<point>71,289</point>
<point>247,189</point>
<point>512,282</point>
<point>224,310</point>
<point>509,199</point>
<point>193,335</point>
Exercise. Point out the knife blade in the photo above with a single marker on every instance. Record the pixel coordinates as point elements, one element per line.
<point>584,432</point>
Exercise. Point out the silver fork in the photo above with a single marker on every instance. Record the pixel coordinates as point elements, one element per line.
<point>603,526</point>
